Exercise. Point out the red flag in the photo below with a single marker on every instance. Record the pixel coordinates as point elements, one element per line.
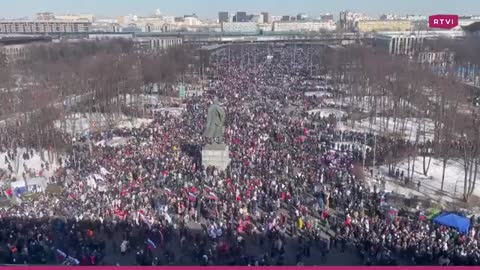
<point>9,192</point>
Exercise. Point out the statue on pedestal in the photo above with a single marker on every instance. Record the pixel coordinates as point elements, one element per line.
<point>215,122</point>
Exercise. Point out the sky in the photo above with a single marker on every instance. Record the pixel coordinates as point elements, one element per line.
<point>210,8</point>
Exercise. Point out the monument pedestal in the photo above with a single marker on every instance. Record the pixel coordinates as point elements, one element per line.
<point>216,155</point>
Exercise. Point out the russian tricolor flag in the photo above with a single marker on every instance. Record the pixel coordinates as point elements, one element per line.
<point>151,244</point>
<point>168,191</point>
<point>61,255</point>
<point>212,196</point>
<point>77,262</point>
<point>208,189</point>
<point>191,196</point>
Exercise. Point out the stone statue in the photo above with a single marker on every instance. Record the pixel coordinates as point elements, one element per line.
<point>215,122</point>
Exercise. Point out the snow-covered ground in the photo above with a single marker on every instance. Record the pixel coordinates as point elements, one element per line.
<point>77,124</point>
<point>134,123</point>
<point>347,102</point>
<point>174,111</point>
<point>430,185</point>
<point>350,145</point>
<point>144,99</point>
<point>153,99</point>
<point>33,164</point>
<point>412,127</point>
<point>318,94</point>
<point>115,141</point>
<point>325,112</point>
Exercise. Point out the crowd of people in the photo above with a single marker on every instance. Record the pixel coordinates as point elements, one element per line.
<point>293,188</point>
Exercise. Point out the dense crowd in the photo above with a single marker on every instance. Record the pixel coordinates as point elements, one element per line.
<point>293,185</point>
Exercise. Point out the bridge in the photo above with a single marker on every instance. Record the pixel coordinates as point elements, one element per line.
<point>219,38</point>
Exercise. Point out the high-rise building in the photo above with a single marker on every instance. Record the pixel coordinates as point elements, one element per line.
<point>257,18</point>
<point>326,17</point>
<point>286,18</point>
<point>345,22</point>
<point>223,17</point>
<point>266,17</point>
<point>302,17</point>
<point>241,16</point>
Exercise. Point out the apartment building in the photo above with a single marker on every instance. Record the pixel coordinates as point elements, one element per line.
<point>44,27</point>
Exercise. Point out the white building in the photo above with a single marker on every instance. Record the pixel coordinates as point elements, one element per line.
<point>265,27</point>
<point>410,43</point>
<point>417,18</point>
<point>76,17</point>
<point>406,45</point>
<point>169,19</point>
<point>240,27</point>
<point>310,26</point>
<point>157,43</point>
<point>467,21</point>
<point>355,16</point>
<point>191,21</point>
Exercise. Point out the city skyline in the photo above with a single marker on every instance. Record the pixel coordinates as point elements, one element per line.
<point>210,8</point>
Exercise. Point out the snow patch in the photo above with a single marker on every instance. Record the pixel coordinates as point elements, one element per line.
<point>409,130</point>
<point>32,165</point>
<point>430,185</point>
<point>325,112</point>
<point>77,124</point>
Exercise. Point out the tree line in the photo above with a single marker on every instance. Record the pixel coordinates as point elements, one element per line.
<point>401,96</point>
<point>55,79</point>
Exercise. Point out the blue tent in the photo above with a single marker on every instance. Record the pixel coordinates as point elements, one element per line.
<point>460,223</point>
